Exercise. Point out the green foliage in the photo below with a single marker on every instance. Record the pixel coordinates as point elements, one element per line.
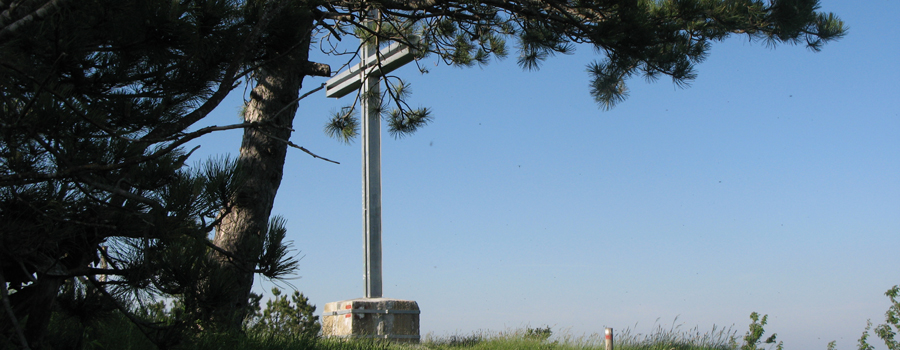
<point>674,338</point>
<point>650,39</point>
<point>96,98</point>
<point>114,331</point>
<point>753,336</point>
<point>539,334</point>
<point>862,343</point>
<point>285,318</point>
<point>462,340</point>
<point>283,324</point>
<point>404,120</point>
<point>536,338</point>
<point>343,125</point>
<point>358,344</point>
<point>888,330</point>
<point>238,341</point>
<point>275,260</point>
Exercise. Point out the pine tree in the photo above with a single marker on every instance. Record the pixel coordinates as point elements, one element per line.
<point>96,97</point>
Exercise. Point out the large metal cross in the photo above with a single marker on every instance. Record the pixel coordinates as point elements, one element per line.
<point>364,78</point>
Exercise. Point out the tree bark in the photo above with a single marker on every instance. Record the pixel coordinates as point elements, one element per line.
<point>272,107</point>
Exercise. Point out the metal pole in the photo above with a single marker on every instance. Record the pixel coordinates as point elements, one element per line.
<point>370,97</point>
<point>609,339</point>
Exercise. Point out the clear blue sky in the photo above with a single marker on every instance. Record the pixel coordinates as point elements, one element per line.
<point>772,184</point>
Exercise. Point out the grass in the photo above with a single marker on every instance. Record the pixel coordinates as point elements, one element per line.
<point>120,334</point>
<point>540,339</point>
<point>661,339</point>
<point>674,338</point>
<point>520,339</point>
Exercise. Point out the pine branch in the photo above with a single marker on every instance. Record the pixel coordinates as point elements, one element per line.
<point>310,153</point>
<point>228,82</point>
<point>57,218</point>
<point>127,313</point>
<point>91,271</point>
<point>291,144</point>
<point>39,14</point>
<point>71,171</point>
<point>11,314</point>
<point>300,98</point>
<point>122,192</point>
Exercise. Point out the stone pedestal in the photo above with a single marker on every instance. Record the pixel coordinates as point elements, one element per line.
<point>379,318</point>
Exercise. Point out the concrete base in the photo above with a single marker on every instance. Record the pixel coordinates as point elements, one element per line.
<point>379,318</point>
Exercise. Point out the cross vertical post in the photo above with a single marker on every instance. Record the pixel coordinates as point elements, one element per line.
<point>365,78</point>
<point>370,103</point>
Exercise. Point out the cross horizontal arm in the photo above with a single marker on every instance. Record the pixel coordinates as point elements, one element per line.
<point>392,57</point>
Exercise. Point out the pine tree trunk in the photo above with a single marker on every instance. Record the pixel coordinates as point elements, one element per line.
<point>272,106</point>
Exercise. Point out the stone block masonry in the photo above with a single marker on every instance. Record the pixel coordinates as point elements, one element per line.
<point>379,318</point>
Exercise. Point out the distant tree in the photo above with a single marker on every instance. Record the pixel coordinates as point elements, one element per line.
<point>888,330</point>
<point>284,317</point>
<point>96,98</point>
<point>650,38</point>
<point>752,339</point>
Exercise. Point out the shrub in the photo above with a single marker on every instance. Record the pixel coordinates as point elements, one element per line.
<point>751,339</point>
<point>888,330</point>
<point>539,334</point>
<point>283,317</point>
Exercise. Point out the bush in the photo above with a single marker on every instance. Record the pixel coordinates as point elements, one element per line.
<point>539,334</point>
<point>285,318</point>
<point>751,339</point>
<point>888,330</point>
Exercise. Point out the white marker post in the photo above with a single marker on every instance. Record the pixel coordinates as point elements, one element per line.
<point>364,78</point>
<point>609,338</point>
